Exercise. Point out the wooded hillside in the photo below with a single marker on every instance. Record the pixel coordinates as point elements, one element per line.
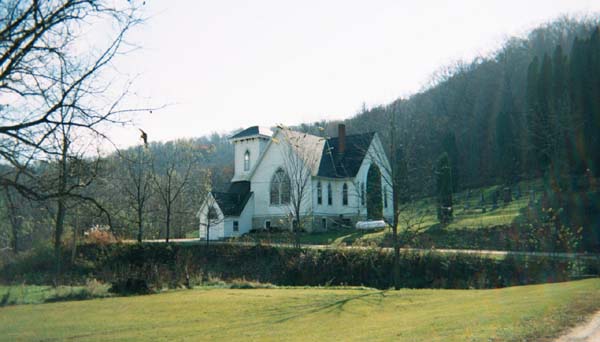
<point>532,105</point>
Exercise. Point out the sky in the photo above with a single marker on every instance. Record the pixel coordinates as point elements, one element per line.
<point>217,66</point>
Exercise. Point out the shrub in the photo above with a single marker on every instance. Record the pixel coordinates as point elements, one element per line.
<point>6,256</point>
<point>130,286</point>
<point>96,288</point>
<point>100,235</point>
<point>139,268</point>
<point>92,289</point>
<point>33,266</point>
<point>247,284</point>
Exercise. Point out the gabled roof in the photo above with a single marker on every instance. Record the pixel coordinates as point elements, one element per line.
<point>306,146</point>
<point>233,201</point>
<point>343,165</point>
<point>252,131</point>
<point>322,155</point>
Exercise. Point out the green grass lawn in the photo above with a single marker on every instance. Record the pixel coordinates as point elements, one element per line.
<point>36,294</point>
<point>309,314</point>
<point>30,294</point>
<point>468,214</point>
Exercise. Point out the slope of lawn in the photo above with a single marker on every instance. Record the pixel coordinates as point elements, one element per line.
<point>468,214</point>
<point>308,314</point>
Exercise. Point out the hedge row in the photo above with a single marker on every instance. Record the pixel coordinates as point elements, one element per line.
<point>172,265</point>
<point>513,237</point>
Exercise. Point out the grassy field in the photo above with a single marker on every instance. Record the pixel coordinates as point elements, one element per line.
<point>536,312</point>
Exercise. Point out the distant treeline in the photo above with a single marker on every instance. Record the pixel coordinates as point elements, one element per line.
<point>136,190</point>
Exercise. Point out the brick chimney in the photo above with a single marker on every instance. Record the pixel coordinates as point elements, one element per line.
<point>341,138</point>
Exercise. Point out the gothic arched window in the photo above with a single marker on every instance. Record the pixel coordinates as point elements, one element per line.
<point>212,215</point>
<point>247,161</point>
<point>319,193</point>
<point>345,194</point>
<point>329,194</point>
<point>362,193</point>
<point>385,199</point>
<point>280,188</point>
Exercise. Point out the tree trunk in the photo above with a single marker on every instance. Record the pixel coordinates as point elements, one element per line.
<point>140,196</point>
<point>395,204</point>
<point>14,242</point>
<point>61,208</point>
<point>15,222</point>
<point>296,228</point>
<point>168,223</point>
<point>207,231</point>
<point>58,231</point>
<point>74,248</point>
<point>168,202</point>
<point>396,271</point>
<point>140,225</point>
<point>75,237</point>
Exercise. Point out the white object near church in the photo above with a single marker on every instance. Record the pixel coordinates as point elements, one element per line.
<point>330,182</point>
<point>370,225</point>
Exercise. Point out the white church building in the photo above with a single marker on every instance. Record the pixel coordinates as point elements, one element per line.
<point>282,175</point>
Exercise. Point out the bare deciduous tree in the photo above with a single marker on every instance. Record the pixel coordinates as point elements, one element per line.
<point>44,72</point>
<point>407,220</point>
<point>136,182</point>
<point>301,155</point>
<point>66,176</point>
<point>53,88</point>
<point>173,179</point>
<point>15,218</point>
<point>209,216</point>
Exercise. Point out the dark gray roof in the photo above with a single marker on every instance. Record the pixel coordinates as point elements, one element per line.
<point>342,165</point>
<point>233,201</point>
<point>250,131</point>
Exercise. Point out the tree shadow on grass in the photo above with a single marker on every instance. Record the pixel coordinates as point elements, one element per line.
<point>71,296</point>
<point>327,305</point>
<point>4,300</point>
<point>351,237</point>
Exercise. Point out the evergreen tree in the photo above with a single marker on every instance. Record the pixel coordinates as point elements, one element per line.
<point>584,87</point>
<point>507,157</point>
<point>587,96</point>
<point>594,99</point>
<point>561,120</point>
<point>541,128</point>
<point>444,189</point>
<point>449,146</point>
<point>575,84</point>
<point>532,115</point>
<point>559,78</point>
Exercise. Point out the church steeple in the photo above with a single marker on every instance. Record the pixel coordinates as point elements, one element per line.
<point>249,144</point>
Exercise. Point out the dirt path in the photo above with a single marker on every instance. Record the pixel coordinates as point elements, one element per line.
<point>586,332</point>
